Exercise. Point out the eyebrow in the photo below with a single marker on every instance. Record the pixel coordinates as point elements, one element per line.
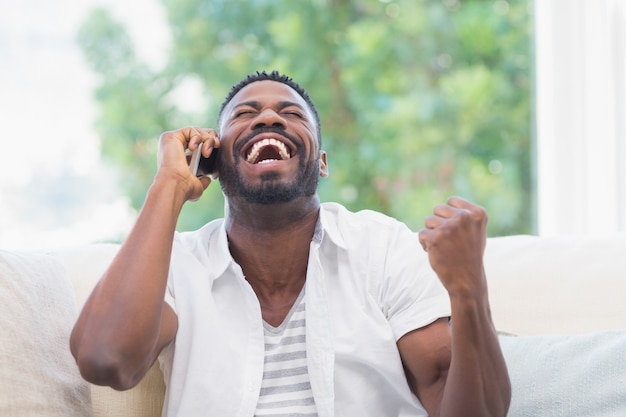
<point>280,105</point>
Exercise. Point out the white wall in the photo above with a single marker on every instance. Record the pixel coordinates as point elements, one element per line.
<point>581,116</point>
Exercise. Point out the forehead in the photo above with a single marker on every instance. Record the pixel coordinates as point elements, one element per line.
<point>266,92</point>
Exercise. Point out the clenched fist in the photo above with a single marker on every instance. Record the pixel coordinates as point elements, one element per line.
<point>455,236</point>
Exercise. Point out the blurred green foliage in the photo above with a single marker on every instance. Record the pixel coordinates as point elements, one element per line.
<point>419,99</point>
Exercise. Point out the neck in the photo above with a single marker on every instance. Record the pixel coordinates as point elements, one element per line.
<point>269,218</point>
<point>271,244</point>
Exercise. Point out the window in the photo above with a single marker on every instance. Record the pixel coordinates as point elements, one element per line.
<point>581,116</point>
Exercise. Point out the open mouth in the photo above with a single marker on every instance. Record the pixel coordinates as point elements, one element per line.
<point>267,150</point>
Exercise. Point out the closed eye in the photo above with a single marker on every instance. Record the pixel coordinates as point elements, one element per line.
<point>243,113</point>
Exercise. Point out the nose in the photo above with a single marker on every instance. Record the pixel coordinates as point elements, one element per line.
<point>269,118</point>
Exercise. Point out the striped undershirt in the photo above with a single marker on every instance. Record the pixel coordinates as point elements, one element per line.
<point>286,388</point>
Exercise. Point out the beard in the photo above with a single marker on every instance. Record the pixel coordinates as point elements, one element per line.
<point>271,190</point>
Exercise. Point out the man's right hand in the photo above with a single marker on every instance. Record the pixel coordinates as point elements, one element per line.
<point>172,161</point>
<point>126,322</point>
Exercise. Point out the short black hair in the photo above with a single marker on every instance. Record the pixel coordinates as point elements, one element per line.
<point>273,76</point>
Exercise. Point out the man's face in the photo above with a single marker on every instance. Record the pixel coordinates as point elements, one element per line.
<point>269,151</point>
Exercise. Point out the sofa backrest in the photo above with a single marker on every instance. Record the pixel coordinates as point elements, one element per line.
<point>537,285</point>
<point>564,284</point>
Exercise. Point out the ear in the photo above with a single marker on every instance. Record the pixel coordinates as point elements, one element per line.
<point>323,165</point>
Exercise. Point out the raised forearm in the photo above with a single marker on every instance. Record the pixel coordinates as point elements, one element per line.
<point>120,323</point>
<point>477,382</point>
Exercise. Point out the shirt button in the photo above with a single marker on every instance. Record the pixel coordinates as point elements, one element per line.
<point>250,386</point>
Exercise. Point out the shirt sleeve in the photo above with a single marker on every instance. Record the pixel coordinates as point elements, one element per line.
<point>170,298</point>
<point>412,295</point>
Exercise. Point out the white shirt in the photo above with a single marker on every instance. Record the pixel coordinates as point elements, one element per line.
<point>368,283</point>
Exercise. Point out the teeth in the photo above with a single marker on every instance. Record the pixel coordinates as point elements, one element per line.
<point>257,147</point>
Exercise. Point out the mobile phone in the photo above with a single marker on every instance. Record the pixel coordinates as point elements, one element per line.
<point>201,166</point>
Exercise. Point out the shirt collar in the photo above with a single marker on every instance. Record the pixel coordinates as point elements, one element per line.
<point>328,223</point>
<point>221,259</point>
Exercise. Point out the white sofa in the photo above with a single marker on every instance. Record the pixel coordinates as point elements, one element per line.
<point>559,303</point>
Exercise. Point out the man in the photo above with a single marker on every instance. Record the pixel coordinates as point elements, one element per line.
<point>288,306</point>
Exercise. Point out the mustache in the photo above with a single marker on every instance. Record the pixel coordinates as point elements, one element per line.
<point>246,139</point>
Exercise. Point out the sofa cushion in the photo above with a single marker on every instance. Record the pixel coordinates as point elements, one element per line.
<point>567,375</point>
<point>143,400</point>
<point>86,264</point>
<point>38,376</point>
